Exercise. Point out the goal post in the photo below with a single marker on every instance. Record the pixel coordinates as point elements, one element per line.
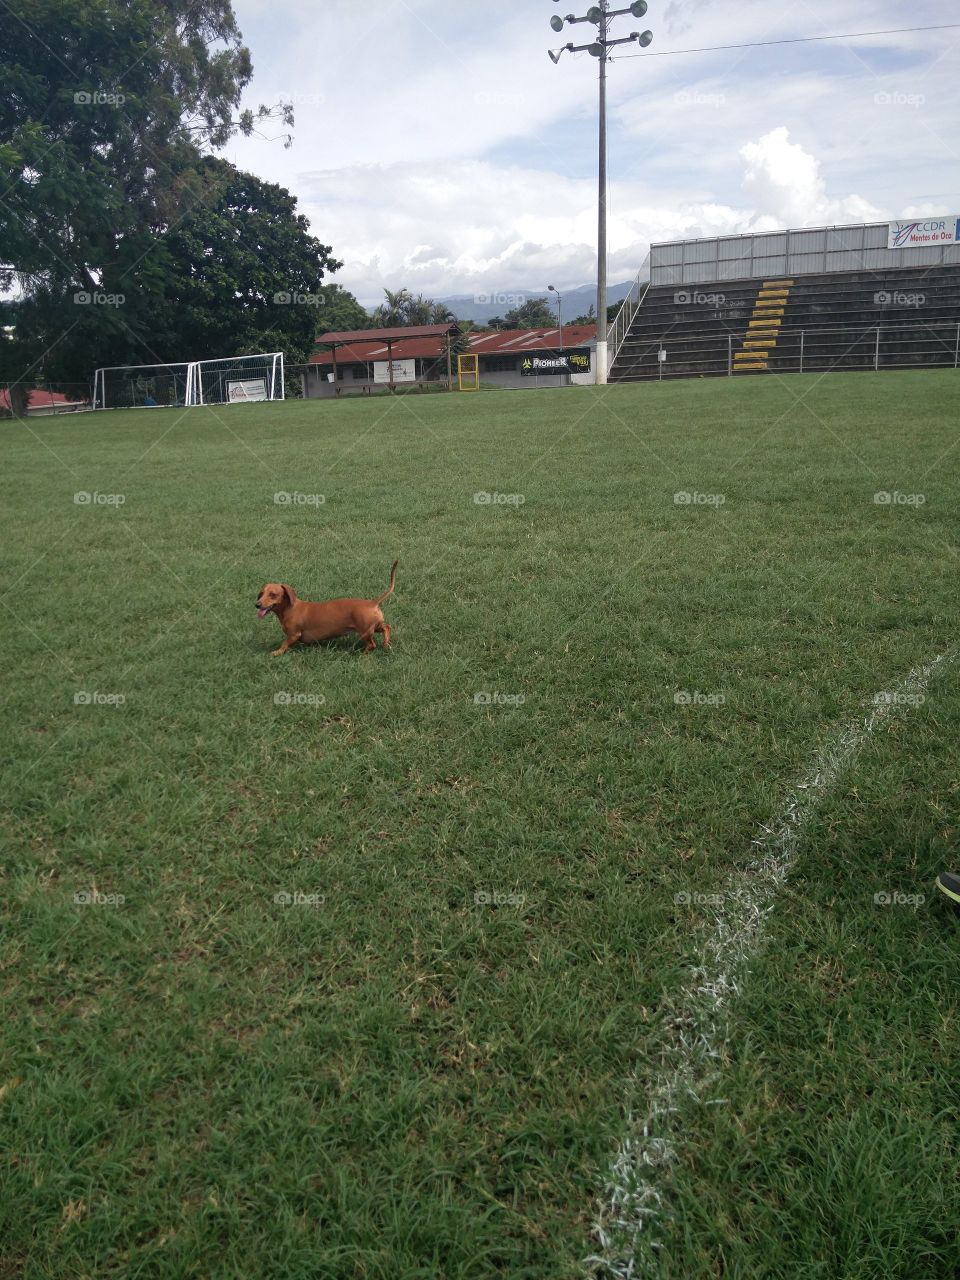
<point>238,379</point>
<point>223,380</point>
<point>468,372</point>
<point>131,386</point>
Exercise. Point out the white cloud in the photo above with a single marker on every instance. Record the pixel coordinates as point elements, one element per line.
<point>484,228</point>
<point>785,185</point>
<point>453,157</point>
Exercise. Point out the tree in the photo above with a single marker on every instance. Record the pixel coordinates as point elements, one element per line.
<point>589,318</point>
<point>103,109</point>
<point>535,313</point>
<point>402,308</point>
<point>241,272</point>
<point>341,312</point>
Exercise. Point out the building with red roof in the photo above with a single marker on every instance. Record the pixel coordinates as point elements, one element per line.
<point>365,360</point>
<point>41,402</point>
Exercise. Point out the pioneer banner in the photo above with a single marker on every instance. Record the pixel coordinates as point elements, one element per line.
<point>545,362</point>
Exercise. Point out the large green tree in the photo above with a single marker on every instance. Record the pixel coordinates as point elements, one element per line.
<point>341,312</point>
<point>104,106</point>
<point>242,272</point>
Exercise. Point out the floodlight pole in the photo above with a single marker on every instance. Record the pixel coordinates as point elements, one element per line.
<point>602,206</point>
<point>600,14</point>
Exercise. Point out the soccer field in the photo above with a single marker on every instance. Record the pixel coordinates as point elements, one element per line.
<point>633,628</point>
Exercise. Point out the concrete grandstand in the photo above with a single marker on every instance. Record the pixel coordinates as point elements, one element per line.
<point>872,296</point>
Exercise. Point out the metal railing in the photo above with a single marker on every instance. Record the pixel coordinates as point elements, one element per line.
<point>810,349</point>
<point>620,326</point>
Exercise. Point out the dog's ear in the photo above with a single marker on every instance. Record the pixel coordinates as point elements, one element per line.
<point>289,592</point>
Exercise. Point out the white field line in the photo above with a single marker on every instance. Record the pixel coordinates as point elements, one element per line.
<point>695,1032</point>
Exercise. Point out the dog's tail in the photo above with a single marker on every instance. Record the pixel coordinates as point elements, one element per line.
<point>389,590</point>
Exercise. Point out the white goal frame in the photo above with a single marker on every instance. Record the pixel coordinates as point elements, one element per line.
<point>271,374</point>
<point>269,369</point>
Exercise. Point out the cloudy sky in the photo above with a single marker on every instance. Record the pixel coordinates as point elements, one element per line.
<point>436,146</point>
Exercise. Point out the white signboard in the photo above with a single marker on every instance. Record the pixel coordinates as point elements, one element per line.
<point>923,233</point>
<point>403,370</point>
<point>250,389</point>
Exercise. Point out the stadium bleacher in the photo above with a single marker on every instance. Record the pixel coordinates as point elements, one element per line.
<point>860,316</point>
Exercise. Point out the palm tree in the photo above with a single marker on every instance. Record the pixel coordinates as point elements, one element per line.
<point>402,308</point>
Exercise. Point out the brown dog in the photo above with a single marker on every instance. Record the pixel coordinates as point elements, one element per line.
<point>306,621</point>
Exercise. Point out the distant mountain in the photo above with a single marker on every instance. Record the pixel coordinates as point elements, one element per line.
<point>481,307</point>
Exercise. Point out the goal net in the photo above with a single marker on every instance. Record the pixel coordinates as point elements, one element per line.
<point>236,379</point>
<point>225,380</point>
<point>141,385</point>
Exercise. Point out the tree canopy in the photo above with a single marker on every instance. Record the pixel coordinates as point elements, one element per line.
<point>402,308</point>
<point>105,111</point>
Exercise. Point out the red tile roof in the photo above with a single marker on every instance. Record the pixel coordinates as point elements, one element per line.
<point>381,335</point>
<point>38,397</point>
<point>505,342</point>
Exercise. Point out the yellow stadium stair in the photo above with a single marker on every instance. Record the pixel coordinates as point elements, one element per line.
<point>763,327</point>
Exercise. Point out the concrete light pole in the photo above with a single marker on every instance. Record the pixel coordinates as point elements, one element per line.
<point>600,15</point>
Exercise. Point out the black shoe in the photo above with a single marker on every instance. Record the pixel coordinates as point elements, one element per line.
<point>949,883</point>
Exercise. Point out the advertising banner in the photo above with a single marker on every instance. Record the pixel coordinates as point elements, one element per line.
<point>544,362</point>
<point>924,233</point>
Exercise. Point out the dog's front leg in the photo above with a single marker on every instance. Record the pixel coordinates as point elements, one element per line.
<point>288,641</point>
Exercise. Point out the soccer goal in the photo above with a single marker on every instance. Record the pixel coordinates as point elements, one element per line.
<point>237,379</point>
<point>225,380</point>
<point>139,385</point>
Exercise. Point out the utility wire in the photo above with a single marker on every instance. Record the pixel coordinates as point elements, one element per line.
<point>761,44</point>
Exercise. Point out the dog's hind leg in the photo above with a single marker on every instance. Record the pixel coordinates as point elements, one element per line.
<point>384,629</point>
<point>369,644</point>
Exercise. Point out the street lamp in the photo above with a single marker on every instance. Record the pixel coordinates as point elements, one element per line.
<point>553,289</point>
<point>559,312</point>
<point>600,15</point>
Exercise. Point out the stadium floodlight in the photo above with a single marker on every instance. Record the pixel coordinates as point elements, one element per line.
<point>556,22</point>
<point>600,15</point>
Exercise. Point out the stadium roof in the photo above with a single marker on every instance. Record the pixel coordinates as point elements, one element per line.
<point>425,342</point>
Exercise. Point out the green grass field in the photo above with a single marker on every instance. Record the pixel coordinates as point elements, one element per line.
<point>422,1071</point>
